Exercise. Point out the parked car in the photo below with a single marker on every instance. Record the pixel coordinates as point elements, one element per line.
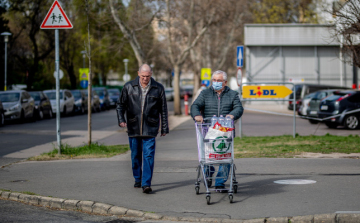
<point>313,104</point>
<point>2,114</point>
<point>103,97</point>
<point>42,104</point>
<point>67,101</point>
<point>304,104</point>
<point>95,102</point>
<point>114,94</point>
<point>303,89</point>
<point>338,105</point>
<point>18,105</point>
<point>81,101</point>
<point>169,94</point>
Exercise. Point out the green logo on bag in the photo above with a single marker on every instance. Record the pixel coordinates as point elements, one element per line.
<point>222,146</point>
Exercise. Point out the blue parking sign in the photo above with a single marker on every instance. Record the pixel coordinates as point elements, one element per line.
<point>84,83</point>
<point>206,82</point>
<point>240,56</point>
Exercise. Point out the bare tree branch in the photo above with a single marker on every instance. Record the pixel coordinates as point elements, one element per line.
<point>129,35</point>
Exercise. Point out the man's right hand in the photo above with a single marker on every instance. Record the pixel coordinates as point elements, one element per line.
<point>123,124</point>
<point>199,118</point>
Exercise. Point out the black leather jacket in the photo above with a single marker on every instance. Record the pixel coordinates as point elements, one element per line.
<point>146,123</point>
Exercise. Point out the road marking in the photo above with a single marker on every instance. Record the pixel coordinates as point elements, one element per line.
<point>295,181</point>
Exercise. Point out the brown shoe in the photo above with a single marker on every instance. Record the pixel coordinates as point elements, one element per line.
<point>147,190</point>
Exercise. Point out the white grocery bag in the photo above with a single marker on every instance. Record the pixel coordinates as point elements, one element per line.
<point>214,133</point>
<point>218,148</point>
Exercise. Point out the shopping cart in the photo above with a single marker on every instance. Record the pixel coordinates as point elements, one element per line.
<point>215,157</point>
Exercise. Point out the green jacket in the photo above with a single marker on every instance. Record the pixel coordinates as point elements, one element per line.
<point>209,104</point>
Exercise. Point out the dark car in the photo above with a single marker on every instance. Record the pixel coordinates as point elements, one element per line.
<point>303,89</point>
<point>103,97</point>
<point>313,104</point>
<point>2,114</point>
<point>169,94</point>
<point>42,104</point>
<point>95,102</point>
<point>114,94</point>
<point>341,108</point>
<point>81,102</point>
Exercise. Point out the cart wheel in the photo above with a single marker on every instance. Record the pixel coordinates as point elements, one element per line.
<point>197,188</point>
<point>235,187</point>
<point>208,199</point>
<point>231,198</point>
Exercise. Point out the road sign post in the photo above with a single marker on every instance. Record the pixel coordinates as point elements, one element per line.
<point>266,92</point>
<point>84,77</point>
<point>206,76</point>
<point>57,19</point>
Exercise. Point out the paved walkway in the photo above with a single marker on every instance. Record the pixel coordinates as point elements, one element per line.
<point>109,181</point>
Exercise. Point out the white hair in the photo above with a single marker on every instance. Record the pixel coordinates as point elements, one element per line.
<point>220,72</point>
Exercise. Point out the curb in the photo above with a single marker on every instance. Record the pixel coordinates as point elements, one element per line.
<point>107,209</point>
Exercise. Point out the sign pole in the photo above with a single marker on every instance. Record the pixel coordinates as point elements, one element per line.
<point>57,65</point>
<point>57,19</point>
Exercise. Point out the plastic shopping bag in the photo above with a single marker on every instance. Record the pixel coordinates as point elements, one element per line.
<point>218,131</point>
<point>220,148</point>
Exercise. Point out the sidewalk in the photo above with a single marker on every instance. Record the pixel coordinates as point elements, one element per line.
<point>102,185</point>
<point>105,186</point>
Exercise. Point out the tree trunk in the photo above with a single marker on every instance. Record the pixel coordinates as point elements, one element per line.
<point>72,76</point>
<point>177,105</point>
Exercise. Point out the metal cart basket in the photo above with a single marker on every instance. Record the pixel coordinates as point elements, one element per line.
<point>216,156</point>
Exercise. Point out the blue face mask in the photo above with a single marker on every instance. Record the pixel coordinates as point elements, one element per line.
<point>217,85</point>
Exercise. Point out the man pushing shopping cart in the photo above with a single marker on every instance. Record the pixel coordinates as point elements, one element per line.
<point>215,111</point>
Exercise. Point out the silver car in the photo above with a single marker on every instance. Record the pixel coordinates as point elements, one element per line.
<point>18,105</point>
<point>67,101</point>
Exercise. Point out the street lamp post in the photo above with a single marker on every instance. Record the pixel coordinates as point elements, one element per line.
<point>6,40</point>
<point>84,55</point>
<point>126,76</point>
<point>126,63</point>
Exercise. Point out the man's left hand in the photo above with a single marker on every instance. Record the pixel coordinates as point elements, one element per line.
<point>164,134</point>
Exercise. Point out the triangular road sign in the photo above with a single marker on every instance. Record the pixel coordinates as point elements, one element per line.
<point>56,18</point>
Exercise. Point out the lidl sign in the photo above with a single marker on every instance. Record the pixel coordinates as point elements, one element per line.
<point>256,91</point>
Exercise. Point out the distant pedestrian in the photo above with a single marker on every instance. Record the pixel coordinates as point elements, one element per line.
<point>217,100</point>
<point>141,108</point>
<point>203,87</point>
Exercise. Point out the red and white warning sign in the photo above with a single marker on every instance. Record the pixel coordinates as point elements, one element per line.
<point>56,18</point>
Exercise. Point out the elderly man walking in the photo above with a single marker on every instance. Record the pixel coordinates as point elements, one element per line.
<point>217,100</point>
<point>141,108</point>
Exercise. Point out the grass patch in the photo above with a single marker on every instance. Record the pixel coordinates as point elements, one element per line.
<point>82,152</point>
<point>286,146</point>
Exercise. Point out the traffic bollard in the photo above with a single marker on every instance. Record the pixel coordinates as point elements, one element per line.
<point>186,103</point>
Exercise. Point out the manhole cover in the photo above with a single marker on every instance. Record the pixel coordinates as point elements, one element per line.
<point>295,181</point>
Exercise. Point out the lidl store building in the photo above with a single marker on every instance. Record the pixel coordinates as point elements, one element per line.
<point>295,53</point>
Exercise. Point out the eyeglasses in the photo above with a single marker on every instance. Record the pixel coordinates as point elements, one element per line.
<point>217,80</point>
